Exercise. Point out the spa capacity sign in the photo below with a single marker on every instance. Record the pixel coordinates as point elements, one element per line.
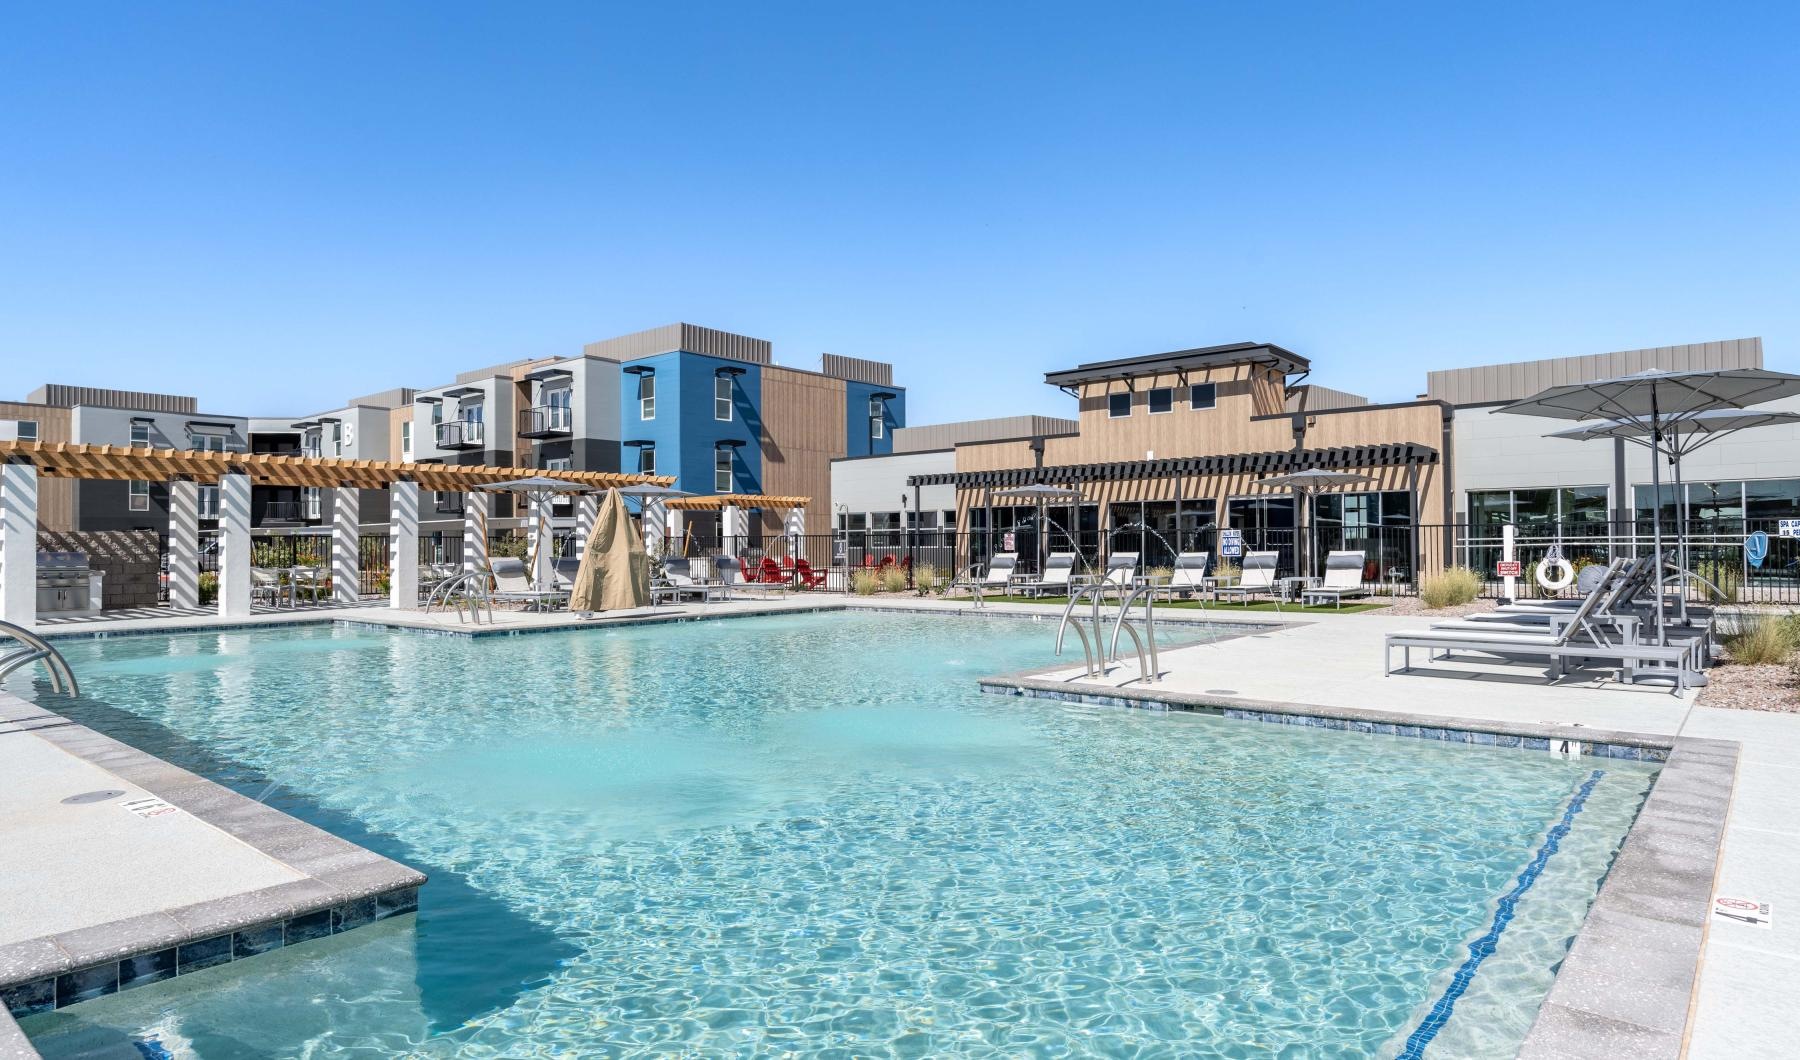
<point>1787,528</point>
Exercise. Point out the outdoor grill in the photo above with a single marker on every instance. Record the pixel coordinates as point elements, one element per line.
<point>65,582</point>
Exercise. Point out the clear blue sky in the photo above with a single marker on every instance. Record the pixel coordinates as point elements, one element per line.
<point>277,206</point>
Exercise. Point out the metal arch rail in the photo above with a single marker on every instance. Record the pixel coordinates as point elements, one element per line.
<point>1148,592</point>
<point>1087,651</point>
<point>33,648</point>
<point>1107,654</point>
<point>474,593</point>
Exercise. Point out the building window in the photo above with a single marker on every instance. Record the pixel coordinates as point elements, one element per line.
<point>646,397</point>
<point>646,459</point>
<point>204,443</point>
<point>337,439</point>
<point>437,413</point>
<point>28,430</point>
<point>140,432</point>
<point>140,495</point>
<point>406,446</point>
<point>209,501</point>
<point>722,460</point>
<point>309,496</point>
<point>877,417</point>
<point>1203,395</point>
<point>1489,509</point>
<point>1162,399</point>
<point>722,398</point>
<point>1118,406</point>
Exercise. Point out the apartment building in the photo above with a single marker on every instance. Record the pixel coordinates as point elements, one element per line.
<point>98,416</point>
<point>364,429</point>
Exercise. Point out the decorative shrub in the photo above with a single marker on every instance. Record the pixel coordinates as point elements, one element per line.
<point>1763,639</point>
<point>1452,587</point>
<point>1728,577</point>
<point>209,587</point>
<point>508,548</point>
<point>927,579</point>
<point>893,579</point>
<point>865,581</point>
<point>1225,570</point>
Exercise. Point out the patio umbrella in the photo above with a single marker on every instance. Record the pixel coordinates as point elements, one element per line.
<point>1682,436</point>
<point>1650,400</point>
<point>1310,483</point>
<point>537,489</point>
<point>614,572</point>
<point>1040,493</point>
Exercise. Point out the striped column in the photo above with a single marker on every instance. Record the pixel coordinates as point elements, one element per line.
<point>346,557</point>
<point>403,546</point>
<point>18,544</point>
<point>475,516</point>
<point>234,545</point>
<point>184,544</point>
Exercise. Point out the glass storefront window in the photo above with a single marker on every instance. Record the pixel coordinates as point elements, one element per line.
<point>1771,499</point>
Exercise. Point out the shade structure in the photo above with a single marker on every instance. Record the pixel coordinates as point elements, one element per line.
<point>614,573</point>
<point>539,488</point>
<point>1681,436</point>
<point>536,484</point>
<point>650,491</point>
<point>1651,400</point>
<point>1310,483</point>
<point>1042,493</point>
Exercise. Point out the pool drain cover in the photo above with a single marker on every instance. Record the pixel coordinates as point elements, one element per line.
<point>91,796</point>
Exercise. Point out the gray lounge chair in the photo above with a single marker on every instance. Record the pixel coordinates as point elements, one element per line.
<point>729,573</point>
<point>997,578</point>
<point>1578,639</point>
<point>1121,572</point>
<point>512,584</point>
<point>1258,579</point>
<point>1189,576</point>
<point>1343,578</point>
<point>1059,567</point>
<point>676,583</point>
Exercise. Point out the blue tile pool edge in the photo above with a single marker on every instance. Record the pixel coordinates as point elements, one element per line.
<point>1445,730</point>
<point>1483,947</point>
<point>48,993</point>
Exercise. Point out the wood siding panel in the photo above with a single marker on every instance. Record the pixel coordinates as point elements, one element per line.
<point>56,497</point>
<point>803,417</point>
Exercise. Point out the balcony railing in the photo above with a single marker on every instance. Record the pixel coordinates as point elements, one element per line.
<point>282,512</point>
<point>459,434</point>
<point>448,503</point>
<point>545,421</point>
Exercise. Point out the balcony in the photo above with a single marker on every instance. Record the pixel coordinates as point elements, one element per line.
<point>459,434</point>
<point>448,503</point>
<point>546,421</point>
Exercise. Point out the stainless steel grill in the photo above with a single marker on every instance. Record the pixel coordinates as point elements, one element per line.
<point>65,582</point>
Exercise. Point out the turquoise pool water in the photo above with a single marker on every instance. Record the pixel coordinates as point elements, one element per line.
<point>810,835</point>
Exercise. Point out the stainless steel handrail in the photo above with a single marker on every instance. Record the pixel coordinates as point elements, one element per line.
<point>968,579</point>
<point>1087,651</point>
<point>474,587</point>
<point>1150,673</point>
<point>34,648</point>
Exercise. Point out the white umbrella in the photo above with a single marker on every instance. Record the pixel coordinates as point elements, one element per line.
<point>538,489</point>
<point>1682,436</point>
<point>1650,400</point>
<point>1310,483</point>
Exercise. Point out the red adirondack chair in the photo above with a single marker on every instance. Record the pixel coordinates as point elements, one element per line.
<point>771,572</point>
<point>807,577</point>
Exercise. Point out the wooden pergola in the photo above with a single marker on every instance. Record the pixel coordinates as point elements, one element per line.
<point>721,501</point>
<point>75,460</point>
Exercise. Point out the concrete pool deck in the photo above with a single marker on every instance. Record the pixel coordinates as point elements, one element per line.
<point>123,870</point>
<point>1746,975</point>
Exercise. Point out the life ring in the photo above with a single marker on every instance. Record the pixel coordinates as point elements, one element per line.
<point>1564,577</point>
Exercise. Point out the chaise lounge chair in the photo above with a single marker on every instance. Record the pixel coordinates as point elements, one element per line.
<point>1343,577</point>
<point>513,585</point>
<point>1121,573</point>
<point>998,577</point>
<point>1257,579</point>
<point>1059,567</point>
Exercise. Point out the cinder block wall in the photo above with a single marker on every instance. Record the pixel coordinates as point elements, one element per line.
<point>130,559</point>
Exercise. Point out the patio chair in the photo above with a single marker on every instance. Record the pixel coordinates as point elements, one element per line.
<point>676,583</point>
<point>999,574</point>
<point>805,577</point>
<point>513,584</point>
<point>1189,576</point>
<point>1059,567</point>
<point>1257,579</point>
<point>267,587</point>
<point>1343,577</point>
<point>732,575</point>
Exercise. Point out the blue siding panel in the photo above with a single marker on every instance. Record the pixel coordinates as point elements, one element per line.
<point>856,419</point>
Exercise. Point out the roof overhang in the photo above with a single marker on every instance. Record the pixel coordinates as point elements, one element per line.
<point>463,391</point>
<point>1398,454</point>
<point>546,375</point>
<point>1285,361</point>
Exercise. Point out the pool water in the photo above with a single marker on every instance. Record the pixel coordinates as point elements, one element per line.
<point>811,835</point>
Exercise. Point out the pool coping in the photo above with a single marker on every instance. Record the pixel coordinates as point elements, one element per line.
<point>1628,983</point>
<point>345,886</point>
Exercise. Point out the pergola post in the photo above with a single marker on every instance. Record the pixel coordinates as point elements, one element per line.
<point>403,545</point>
<point>795,529</point>
<point>234,545</point>
<point>346,555</point>
<point>542,540</point>
<point>184,544</point>
<point>18,544</point>
<point>731,529</point>
<point>475,516</point>
<point>587,513</point>
<point>656,525</point>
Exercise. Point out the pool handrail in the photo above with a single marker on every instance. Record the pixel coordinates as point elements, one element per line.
<point>33,648</point>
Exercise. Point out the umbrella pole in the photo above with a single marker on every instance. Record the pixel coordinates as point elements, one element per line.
<point>1662,631</point>
<point>1681,531</point>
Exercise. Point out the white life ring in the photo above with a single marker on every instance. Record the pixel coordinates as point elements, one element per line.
<point>1564,577</point>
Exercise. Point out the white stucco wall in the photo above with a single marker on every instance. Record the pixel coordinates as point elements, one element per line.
<point>876,483</point>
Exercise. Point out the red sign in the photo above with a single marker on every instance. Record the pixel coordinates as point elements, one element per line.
<point>1509,568</point>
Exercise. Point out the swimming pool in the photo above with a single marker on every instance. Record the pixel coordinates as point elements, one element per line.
<point>810,833</point>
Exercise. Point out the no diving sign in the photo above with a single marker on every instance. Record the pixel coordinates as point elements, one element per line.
<point>1747,911</point>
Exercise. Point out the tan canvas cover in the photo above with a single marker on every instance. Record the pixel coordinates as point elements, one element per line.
<point>614,571</point>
